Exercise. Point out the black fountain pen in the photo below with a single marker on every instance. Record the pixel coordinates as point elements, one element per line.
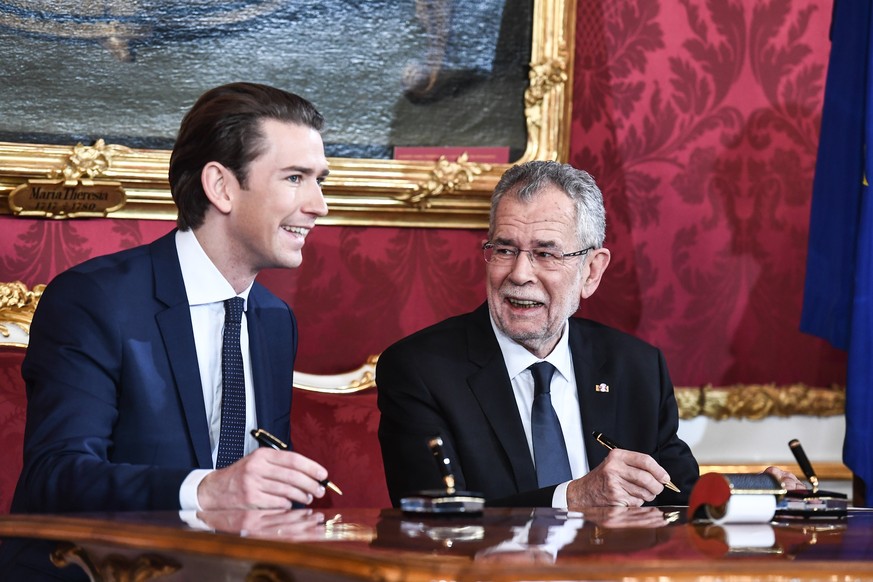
<point>268,440</point>
<point>445,465</point>
<point>803,462</point>
<point>604,440</point>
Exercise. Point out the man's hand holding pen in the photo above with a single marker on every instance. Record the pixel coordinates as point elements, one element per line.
<point>265,439</point>
<point>270,477</point>
<point>265,479</point>
<point>624,478</point>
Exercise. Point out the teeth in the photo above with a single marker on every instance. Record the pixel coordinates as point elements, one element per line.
<point>296,230</point>
<point>524,303</point>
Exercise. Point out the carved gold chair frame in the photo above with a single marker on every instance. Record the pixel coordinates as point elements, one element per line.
<point>18,304</point>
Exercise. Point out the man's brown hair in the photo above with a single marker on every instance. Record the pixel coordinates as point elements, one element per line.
<point>225,126</point>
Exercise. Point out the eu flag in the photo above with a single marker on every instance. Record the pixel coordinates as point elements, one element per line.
<point>838,295</point>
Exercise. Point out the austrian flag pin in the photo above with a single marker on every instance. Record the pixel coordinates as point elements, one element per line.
<point>601,387</point>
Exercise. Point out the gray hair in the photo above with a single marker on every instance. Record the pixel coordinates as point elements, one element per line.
<point>527,180</point>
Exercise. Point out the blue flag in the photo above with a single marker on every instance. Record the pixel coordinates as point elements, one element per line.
<point>838,295</point>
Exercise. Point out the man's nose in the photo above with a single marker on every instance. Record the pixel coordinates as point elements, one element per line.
<point>523,269</point>
<point>315,203</point>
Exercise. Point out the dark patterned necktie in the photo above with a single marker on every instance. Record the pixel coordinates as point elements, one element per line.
<point>550,451</point>
<point>233,388</point>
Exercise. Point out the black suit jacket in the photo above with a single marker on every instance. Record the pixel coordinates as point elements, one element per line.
<point>450,380</point>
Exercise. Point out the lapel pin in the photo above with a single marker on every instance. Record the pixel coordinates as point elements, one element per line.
<point>601,387</point>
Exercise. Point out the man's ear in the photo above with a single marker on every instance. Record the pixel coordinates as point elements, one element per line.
<point>218,184</point>
<point>596,267</point>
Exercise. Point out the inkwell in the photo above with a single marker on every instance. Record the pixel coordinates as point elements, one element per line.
<point>448,501</point>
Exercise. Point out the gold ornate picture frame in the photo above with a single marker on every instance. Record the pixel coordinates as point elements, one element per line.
<point>106,179</point>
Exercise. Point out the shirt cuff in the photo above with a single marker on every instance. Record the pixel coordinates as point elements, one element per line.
<point>559,497</point>
<point>188,490</point>
<point>189,516</point>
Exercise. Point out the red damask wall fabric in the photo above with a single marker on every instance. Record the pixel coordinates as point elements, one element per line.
<point>12,410</point>
<point>699,120</point>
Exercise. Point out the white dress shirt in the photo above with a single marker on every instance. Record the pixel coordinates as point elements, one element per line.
<point>207,289</point>
<point>565,399</point>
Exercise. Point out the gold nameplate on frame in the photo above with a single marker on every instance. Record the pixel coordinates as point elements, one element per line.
<point>73,189</point>
<point>62,199</point>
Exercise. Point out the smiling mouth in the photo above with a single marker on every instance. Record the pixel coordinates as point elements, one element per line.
<point>296,230</point>
<point>523,302</point>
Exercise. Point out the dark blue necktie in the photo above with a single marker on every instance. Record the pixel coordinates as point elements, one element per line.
<point>550,451</point>
<point>233,387</point>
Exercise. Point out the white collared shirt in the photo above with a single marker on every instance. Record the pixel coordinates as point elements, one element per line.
<point>207,289</point>
<point>564,393</point>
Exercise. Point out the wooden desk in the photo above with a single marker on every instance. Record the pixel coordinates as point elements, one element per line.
<point>607,544</point>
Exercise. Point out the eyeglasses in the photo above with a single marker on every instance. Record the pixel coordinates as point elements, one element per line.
<point>544,257</point>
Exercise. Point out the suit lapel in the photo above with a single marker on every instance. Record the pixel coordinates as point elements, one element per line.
<point>598,408</point>
<point>178,336</point>
<point>492,388</point>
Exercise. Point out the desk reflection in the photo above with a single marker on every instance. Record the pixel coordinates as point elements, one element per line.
<point>294,525</point>
<point>505,544</point>
<point>536,535</point>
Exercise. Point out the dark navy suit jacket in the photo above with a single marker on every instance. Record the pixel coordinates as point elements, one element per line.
<point>115,413</point>
<point>450,380</point>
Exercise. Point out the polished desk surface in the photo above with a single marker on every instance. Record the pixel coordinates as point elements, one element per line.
<point>371,544</point>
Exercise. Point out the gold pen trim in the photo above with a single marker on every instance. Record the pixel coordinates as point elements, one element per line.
<point>330,485</point>
<point>269,440</point>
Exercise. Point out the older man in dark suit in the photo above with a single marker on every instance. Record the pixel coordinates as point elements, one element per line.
<point>517,388</point>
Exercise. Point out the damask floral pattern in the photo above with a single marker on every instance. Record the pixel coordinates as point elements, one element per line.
<point>346,444</point>
<point>364,288</point>
<point>42,251</point>
<point>698,118</point>
<point>700,121</point>
<point>12,409</point>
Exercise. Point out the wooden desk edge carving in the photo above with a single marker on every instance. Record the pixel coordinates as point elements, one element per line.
<point>408,565</point>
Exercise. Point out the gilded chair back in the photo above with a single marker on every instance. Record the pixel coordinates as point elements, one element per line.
<point>17,304</point>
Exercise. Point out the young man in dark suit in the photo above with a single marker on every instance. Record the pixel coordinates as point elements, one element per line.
<point>127,395</point>
<point>471,379</point>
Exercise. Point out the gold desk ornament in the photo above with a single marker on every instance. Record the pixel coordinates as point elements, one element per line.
<point>268,573</point>
<point>72,191</point>
<point>115,567</point>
